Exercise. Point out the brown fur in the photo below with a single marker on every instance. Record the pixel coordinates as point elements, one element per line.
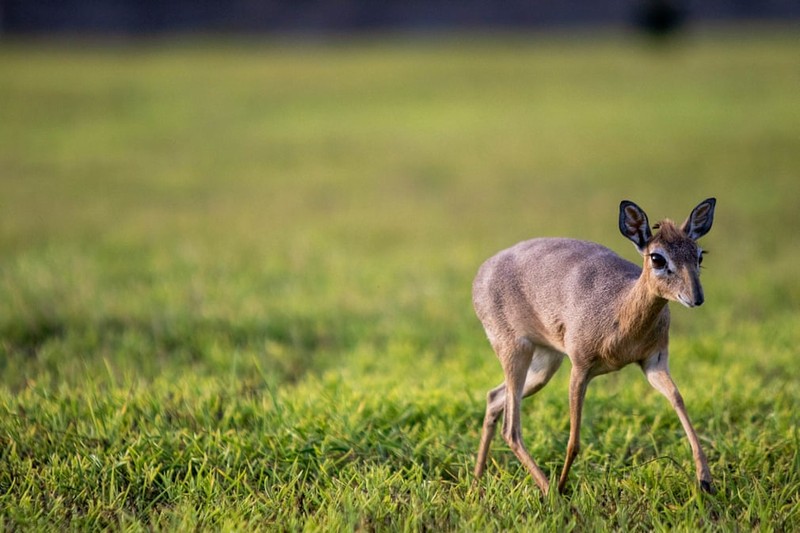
<point>543,299</point>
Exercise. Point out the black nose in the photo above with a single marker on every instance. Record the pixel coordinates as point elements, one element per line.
<point>699,301</point>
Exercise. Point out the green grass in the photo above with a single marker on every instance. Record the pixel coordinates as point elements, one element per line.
<point>235,279</point>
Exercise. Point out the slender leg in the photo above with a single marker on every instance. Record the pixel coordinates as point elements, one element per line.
<point>656,369</point>
<point>495,400</point>
<point>542,367</point>
<point>516,370</point>
<point>578,381</point>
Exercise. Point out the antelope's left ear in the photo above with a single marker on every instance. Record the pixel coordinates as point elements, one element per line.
<point>699,222</point>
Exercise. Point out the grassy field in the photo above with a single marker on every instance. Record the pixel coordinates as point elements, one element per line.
<point>235,279</point>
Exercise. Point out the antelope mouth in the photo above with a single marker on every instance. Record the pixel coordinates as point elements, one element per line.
<point>685,301</point>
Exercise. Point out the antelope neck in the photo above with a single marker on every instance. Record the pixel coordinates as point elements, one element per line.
<point>640,308</point>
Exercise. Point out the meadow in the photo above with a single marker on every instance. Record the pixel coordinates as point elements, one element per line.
<point>235,279</point>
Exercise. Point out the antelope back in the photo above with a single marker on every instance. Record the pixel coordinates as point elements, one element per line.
<point>556,292</point>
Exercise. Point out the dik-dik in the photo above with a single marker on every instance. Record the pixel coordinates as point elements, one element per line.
<point>546,298</point>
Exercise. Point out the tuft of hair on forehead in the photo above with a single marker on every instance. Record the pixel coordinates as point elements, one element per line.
<point>668,231</point>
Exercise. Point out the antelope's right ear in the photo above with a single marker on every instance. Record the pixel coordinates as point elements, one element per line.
<point>633,224</point>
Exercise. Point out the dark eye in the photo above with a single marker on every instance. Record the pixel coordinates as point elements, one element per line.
<point>700,260</point>
<point>658,261</point>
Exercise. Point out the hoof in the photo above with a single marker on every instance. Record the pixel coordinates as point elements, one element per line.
<point>707,487</point>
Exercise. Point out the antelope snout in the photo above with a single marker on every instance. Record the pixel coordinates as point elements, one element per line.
<point>693,297</point>
<point>692,293</point>
<point>697,292</point>
<point>690,302</point>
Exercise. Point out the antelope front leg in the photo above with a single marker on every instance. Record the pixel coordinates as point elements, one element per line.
<point>578,381</point>
<point>657,371</point>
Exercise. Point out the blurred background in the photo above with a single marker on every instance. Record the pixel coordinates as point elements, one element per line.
<point>152,16</point>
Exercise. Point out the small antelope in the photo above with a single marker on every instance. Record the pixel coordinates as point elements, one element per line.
<point>546,298</point>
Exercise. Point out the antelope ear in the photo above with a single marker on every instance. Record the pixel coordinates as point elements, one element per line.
<point>633,224</point>
<point>699,222</point>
